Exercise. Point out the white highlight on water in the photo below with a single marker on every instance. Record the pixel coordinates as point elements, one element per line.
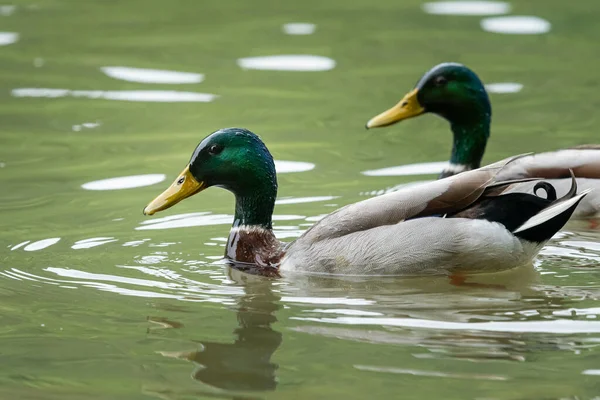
<point>591,372</point>
<point>7,38</point>
<point>165,96</point>
<point>41,244</point>
<point>289,62</point>
<point>124,182</point>
<point>145,75</point>
<point>435,374</point>
<point>92,242</point>
<point>298,200</point>
<point>18,246</point>
<point>467,7</point>
<point>516,25</point>
<point>504,87</point>
<point>7,10</point>
<point>410,169</point>
<point>85,125</point>
<point>561,326</point>
<point>283,167</point>
<point>345,311</point>
<point>299,28</point>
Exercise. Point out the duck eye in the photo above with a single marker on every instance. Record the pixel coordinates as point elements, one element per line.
<point>215,149</point>
<point>440,81</point>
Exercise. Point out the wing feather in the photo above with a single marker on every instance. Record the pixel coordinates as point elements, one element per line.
<point>584,161</point>
<point>431,198</point>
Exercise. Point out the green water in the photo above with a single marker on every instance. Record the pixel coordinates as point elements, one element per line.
<point>152,314</point>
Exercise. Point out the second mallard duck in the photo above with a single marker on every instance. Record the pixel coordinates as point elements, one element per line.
<point>455,92</point>
<point>462,223</point>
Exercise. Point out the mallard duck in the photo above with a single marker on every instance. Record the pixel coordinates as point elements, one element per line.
<point>464,222</point>
<point>455,92</point>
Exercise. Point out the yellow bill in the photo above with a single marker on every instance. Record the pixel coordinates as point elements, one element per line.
<point>184,186</point>
<point>408,107</point>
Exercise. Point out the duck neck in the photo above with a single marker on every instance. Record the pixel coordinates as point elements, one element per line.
<point>470,138</point>
<point>255,209</point>
<point>251,239</point>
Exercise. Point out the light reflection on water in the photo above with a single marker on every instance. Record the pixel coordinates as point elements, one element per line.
<point>299,28</point>
<point>125,182</point>
<point>7,38</point>
<point>291,62</point>
<point>145,75</point>
<point>457,325</point>
<point>6,10</point>
<point>504,87</point>
<point>107,304</point>
<point>203,219</point>
<point>153,96</point>
<point>471,7</point>
<point>410,169</point>
<point>516,25</point>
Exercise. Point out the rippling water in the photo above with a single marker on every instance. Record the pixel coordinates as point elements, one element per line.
<point>99,302</point>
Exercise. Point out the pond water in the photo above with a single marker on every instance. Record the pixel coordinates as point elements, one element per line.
<point>99,302</point>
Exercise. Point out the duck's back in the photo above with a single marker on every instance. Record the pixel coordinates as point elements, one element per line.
<point>429,245</point>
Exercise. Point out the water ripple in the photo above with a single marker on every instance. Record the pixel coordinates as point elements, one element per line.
<point>555,326</point>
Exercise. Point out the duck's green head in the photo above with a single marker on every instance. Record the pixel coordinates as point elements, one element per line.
<point>232,158</point>
<point>449,90</point>
<point>455,93</point>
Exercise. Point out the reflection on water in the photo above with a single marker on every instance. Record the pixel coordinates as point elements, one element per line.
<point>86,125</point>
<point>514,316</point>
<point>18,246</point>
<point>288,63</point>
<point>8,38</point>
<point>299,200</point>
<point>152,96</point>
<point>516,25</point>
<point>39,245</point>
<point>145,75</point>
<point>557,326</point>
<point>245,364</point>
<point>6,10</point>
<point>299,28</point>
<point>504,87</point>
<point>98,302</point>
<point>92,242</point>
<point>467,7</point>
<point>435,374</point>
<point>410,169</point>
<point>125,182</point>
<point>282,166</point>
<point>591,372</point>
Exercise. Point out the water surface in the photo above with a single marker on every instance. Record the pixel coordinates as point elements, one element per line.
<point>99,302</point>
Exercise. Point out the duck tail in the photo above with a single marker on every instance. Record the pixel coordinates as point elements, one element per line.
<point>542,226</point>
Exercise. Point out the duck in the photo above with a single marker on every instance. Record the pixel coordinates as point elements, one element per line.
<point>464,223</point>
<point>455,92</point>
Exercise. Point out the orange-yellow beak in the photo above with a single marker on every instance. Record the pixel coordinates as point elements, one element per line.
<point>184,186</point>
<point>408,107</point>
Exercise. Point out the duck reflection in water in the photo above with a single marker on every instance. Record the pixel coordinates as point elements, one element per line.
<point>245,364</point>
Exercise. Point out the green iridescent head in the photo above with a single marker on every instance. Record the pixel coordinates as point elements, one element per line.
<point>234,159</point>
<point>449,90</point>
<point>455,93</point>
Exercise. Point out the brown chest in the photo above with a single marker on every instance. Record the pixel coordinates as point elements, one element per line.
<point>254,246</point>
